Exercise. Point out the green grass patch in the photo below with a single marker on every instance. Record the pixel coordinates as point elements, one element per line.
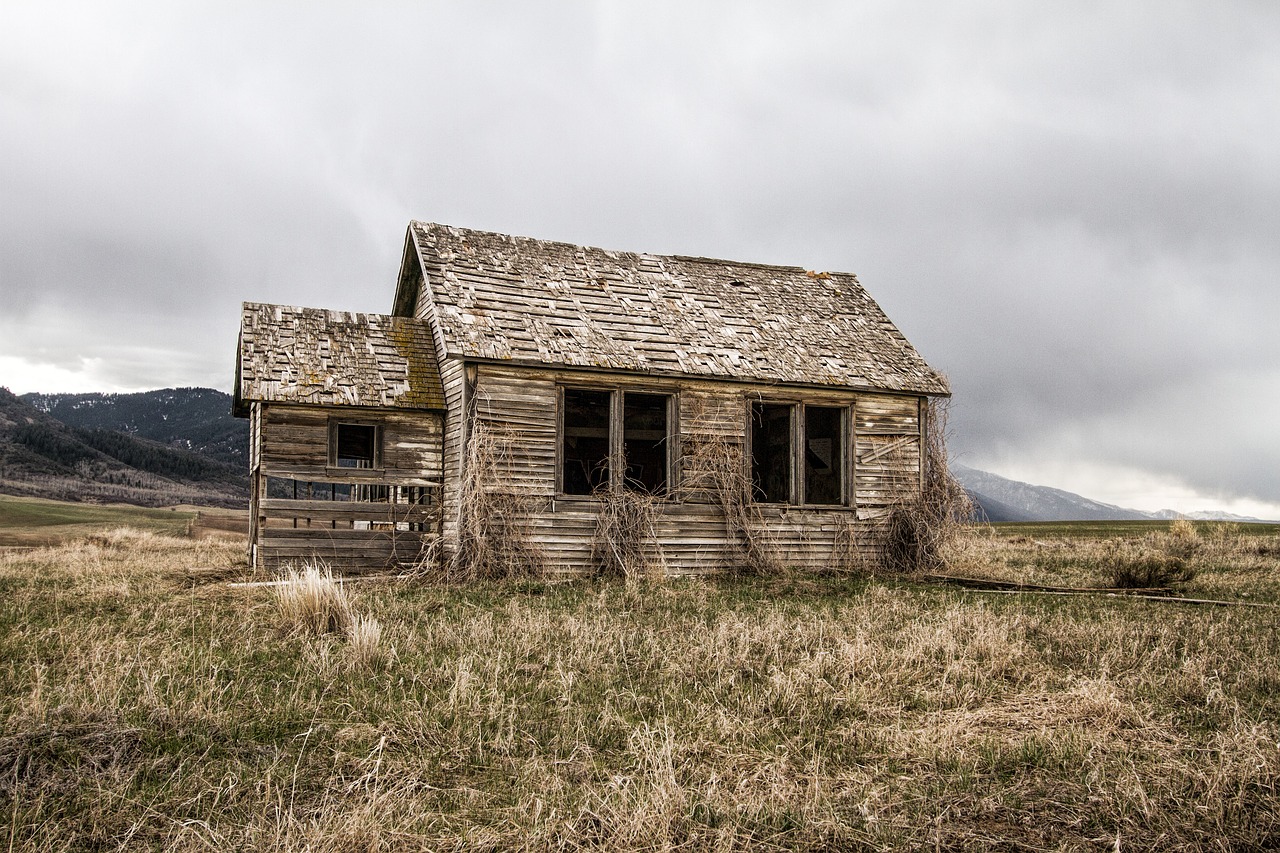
<point>36,521</point>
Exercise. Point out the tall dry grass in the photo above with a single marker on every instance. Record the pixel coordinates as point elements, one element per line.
<point>312,601</point>
<point>1198,559</point>
<point>138,711</point>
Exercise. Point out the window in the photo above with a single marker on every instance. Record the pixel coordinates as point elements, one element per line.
<point>774,457</point>
<point>823,455</point>
<point>599,427</point>
<point>771,452</point>
<point>644,442</point>
<point>586,440</point>
<point>355,445</point>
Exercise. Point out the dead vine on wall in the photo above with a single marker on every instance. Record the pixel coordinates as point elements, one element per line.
<point>494,537</point>
<point>715,468</point>
<point>626,542</point>
<point>919,528</point>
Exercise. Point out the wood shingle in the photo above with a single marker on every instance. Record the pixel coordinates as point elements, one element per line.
<point>288,354</point>
<point>525,301</point>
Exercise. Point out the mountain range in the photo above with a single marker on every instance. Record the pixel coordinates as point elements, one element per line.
<point>156,448</point>
<point>195,419</point>
<point>182,445</point>
<point>997,498</point>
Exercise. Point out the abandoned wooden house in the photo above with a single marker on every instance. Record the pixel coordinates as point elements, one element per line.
<point>754,409</point>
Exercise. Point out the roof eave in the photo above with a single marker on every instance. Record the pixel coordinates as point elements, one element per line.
<point>861,388</point>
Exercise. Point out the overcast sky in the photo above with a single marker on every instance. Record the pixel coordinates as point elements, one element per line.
<point>1071,209</point>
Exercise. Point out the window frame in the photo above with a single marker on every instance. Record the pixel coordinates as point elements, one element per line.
<point>610,458</point>
<point>798,479</point>
<point>616,438</point>
<point>845,446</point>
<point>336,423</point>
<point>749,440</point>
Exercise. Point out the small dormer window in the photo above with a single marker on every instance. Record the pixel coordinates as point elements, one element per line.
<point>355,445</point>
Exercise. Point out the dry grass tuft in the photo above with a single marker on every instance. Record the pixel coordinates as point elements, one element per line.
<point>365,649</point>
<point>1181,540</point>
<point>136,541</point>
<point>1128,566</point>
<point>312,601</point>
<point>1161,559</point>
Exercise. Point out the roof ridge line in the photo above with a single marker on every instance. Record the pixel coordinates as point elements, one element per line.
<point>675,257</point>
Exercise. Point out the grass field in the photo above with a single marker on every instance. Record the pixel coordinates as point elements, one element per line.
<point>1078,530</point>
<point>34,521</point>
<point>1229,561</point>
<point>141,709</point>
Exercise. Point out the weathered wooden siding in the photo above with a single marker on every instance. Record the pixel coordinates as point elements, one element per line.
<point>451,376</point>
<point>520,407</point>
<point>295,443</point>
<point>345,551</point>
<point>257,482</point>
<point>255,437</point>
<point>291,446</point>
<point>884,414</point>
<point>887,447</point>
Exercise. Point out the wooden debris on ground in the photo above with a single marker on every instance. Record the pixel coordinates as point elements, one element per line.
<point>996,587</point>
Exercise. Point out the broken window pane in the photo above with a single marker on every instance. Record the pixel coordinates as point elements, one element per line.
<point>823,456</point>
<point>771,452</point>
<point>356,446</point>
<point>644,442</point>
<point>586,441</point>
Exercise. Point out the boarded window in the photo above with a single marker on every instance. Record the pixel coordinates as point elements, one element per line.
<point>356,446</point>
<point>585,454</point>
<point>645,442</point>
<point>771,452</point>
<point>823,455</point>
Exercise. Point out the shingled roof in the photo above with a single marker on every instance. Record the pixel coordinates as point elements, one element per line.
<point>532,301</point>
<point>310,355</point>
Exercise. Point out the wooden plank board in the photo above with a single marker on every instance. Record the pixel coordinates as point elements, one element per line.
<point>279,509</point>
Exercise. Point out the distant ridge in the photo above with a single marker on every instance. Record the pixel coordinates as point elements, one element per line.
<point>43,457</point>
<point>195,419</point>
<point>998,498</point>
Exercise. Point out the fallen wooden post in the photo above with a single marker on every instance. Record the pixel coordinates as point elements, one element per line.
<point>1157,594</point>
<point>1013,586</point>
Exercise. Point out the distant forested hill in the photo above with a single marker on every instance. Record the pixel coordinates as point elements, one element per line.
<point>196,419</point>
<point>44,457</point>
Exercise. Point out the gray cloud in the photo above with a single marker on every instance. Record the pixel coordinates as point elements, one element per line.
<point>1070,209</point>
